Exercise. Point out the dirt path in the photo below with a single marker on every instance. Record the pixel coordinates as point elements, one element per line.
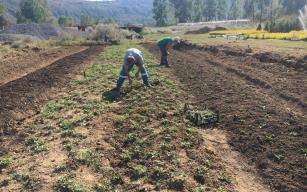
<point>262,104</point>
<point>14,68</point>
<point>245,178</point>
<point>23,97</point>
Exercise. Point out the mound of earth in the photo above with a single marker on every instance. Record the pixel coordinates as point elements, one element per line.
<point>41,31</point>
<point>37,80</point>
<point>206,30</point>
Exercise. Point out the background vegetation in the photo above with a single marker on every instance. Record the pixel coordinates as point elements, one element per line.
<point>277,15</point>
<point>122,11</point>
<point>270,15</point>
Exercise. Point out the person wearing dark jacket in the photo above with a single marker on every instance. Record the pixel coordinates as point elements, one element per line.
<point>164,44</point>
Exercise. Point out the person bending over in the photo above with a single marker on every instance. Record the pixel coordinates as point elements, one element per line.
<point>132,57</point>
<point>164,44</point>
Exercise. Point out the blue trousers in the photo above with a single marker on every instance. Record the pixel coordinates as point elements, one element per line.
<point>123,76</point>
<point>164,60</point>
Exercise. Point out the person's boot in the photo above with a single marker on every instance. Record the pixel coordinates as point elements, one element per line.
<point>146,80</point>
<point>117,89</point>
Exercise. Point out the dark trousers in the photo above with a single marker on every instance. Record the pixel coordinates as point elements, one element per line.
<point>164,54</point>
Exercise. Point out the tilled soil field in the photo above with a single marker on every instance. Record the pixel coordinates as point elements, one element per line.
<point>25,95</point>
<point>32,60</point>
<point>81,141</point>
<point>262,102</point>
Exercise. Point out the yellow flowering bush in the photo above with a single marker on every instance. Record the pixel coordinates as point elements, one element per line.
<point>254,34</point>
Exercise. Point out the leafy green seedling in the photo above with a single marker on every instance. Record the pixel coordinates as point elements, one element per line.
<point>68,184</point>
<point>4,162</point>
<point>138,171</point>
<point>36,144</point>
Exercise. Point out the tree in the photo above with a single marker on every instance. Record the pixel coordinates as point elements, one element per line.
<point>66,21</point>
<point>262,4</point>
<point>86,20</point>
<point>249,9</point>
<point>183,10</point>
<point>163,12</point>
<point>3,19</point>
<point>211,10</point>
<point>34,11</point>
<point>292,6</point>
<point>221,11</point>
<point>198,7</point>
<point>234,10</point>
<point>2,9</point>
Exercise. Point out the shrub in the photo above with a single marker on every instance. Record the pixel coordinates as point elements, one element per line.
<point>17,45</point>
<point>283,25</point>
<point>66,21</point>
<point>111,31</point>
<point>3,21</point>
<point>27,40</point>
<point>65,36</point>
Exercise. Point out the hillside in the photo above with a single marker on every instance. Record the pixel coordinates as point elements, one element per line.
<point>124,11</point>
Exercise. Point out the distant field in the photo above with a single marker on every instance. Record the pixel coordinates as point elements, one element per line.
<point>255,34</point>
<point>191,27</point>
<point>295,48</point>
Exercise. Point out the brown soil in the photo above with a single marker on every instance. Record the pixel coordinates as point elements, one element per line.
<point>206,30</point>
<point>246,180</point>
<point>14,68</point>
<point>24,96</point>
<point>262,101</point>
